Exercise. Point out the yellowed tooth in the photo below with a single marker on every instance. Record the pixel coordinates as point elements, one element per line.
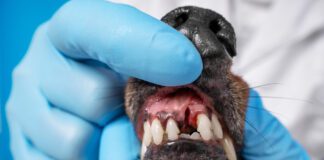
<point>157,131</point>
<point>216,127</point>
<point>172,129</point>
<point>143,150</point>
<point>204,127</point>
<point>229,148</point>
<point>195,136</point>
<point>147,137</point>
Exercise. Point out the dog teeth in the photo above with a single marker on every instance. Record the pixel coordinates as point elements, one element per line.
<point>206,130</point>
<point>157,131</point>
<point>147,137</point>
<point>184,135</point>
<point>229,148</point>
<point>195,136</point>
<point>172,129</point>
<point>143,150</point>
<point>216,127</point>
<point>204,127</point>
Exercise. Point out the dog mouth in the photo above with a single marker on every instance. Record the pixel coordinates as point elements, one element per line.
<point>182,120</point>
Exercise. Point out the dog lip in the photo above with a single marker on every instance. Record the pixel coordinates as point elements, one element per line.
<point>187,148</point>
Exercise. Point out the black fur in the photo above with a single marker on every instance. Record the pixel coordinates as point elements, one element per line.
<point>214,38</point>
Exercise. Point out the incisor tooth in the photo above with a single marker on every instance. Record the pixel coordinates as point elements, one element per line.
<point>195,136</point>
<point>216,127</point>
<point>204,127</point>
<point>144,148</point>
<point>157,131</point>
<point>184,135</point>
<point>172,129</point>
<point>229,148</point>
<point>147,137</point>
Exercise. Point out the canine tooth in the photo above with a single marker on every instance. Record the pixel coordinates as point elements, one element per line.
<point>229,148</point>
<point>147,137</point>
<point>204,127</point>
<point>157,131</point>
<point>184,135</point>
<point>195,136</point>
<point>144,148</point>
<point>216,127</point>
<point>172,129</point>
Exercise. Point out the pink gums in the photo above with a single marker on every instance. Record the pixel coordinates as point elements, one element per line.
<point>183,106</point>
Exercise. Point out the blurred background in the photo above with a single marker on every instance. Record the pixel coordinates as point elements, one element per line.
<point>280,47</point>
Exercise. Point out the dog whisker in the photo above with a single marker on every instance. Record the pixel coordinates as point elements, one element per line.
<point>259,86</point>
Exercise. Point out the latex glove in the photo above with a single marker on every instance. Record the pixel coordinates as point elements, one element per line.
<point>60,101</point>
<point>265,137</point>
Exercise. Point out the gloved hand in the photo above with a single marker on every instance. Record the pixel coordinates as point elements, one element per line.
<point>68,88</point>
<point>265,137</point>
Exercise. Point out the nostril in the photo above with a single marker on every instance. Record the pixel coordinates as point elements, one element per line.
<point>214,26</point>
<point>181,19</point>
<point>196,22</point>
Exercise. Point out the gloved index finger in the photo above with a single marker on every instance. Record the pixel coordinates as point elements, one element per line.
<point>127,40</point>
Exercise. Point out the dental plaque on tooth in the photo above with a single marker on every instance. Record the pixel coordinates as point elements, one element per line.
<point>203,120</point>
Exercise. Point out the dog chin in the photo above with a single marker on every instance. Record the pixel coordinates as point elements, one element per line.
<point>185,149</point>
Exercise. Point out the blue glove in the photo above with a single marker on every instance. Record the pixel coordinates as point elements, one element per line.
<point>265,137</point>
<point>67,92</point>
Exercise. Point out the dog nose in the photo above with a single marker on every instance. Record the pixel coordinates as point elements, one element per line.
<point>208,30</point>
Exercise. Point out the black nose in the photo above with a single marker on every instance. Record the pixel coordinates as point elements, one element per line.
<point>208,30</point>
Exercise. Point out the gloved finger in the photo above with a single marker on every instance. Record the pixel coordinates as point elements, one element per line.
<point>129,41</point>
<point>265,137</point>
<point>20,148</point>
<point>50,130</point>
<point>91,91</point>
<point>119,141</point>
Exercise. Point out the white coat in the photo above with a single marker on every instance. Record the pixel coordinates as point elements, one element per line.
<point>280,44</point>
